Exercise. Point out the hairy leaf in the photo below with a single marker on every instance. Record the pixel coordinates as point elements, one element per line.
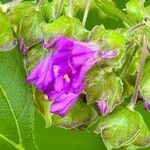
<point>16,120</point>
<point>124,128</point>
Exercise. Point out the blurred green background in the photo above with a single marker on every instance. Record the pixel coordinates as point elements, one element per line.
<point>60,139</point>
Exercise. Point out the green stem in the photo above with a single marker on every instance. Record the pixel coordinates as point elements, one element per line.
<point>117,12</point>
<point>135,28</point>
<point>126,67</point>
<point>140,73</point>
<point>60,7</point>
<point>71,8</point>
<point>88,4</point>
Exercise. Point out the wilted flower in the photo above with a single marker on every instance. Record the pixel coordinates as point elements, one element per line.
<point>23,48</point>
<point>61,75</point>
<point>103,106</point>
<point>147,106</point>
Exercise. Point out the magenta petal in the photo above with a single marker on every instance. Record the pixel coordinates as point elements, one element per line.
<point>47,44</point>
<point>42,75</point>
<point>103,107</point>
<point>64,103</point>
<point>23,48</point>
<point>53,94</point>
<point>61,43</point>
<point>59,84</point>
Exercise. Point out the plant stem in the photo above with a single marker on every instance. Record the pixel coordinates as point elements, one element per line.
<point>126,67</point>
<point>88,4</point>
<point>60,7</point>
<point>135,28</point>
<point>140,73</point>
<point>117,12</point>
<point>71,8</point>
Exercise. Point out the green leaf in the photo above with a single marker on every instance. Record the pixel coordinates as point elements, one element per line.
<point>7,38</point>
<point>109,40</point>
<point>108,7</point>
<point>50,9</point>
<point>123,128</point>
<point>79,117</point>
<point>103,84</point>
<point>17,111</point>
<point>135,9</point>
<point>64,25</point>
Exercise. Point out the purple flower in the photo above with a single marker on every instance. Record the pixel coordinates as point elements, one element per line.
<point>103,107</point>
<point>23,48</point>
<point>61,75</point>
<point>147,106</point>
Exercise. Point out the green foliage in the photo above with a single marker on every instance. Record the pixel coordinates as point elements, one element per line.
<point>64,25</point>
<point>16,113</point>
<point>27,19</point>
<point>136,10</point>
<point>79,117</point>
<point>34,57</point>
<point>18,11</point>
<point>145,84</point>
<point>7,38</point>
<point>29,23</point>
<point>108,7</point>
<point>109,40</point>
<point>50,9</point>
<point>103,84</point>
<point>124,128</point>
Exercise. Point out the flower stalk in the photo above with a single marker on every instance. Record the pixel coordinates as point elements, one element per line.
<point>140,73</point>
<point>60,7</point>
<point>71,8</point>
<point>88,4</point>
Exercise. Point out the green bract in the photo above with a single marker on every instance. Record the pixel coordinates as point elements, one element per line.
<point>109,40</point>
<point>124,128</point>
<point>64,25</point>
<point>135,9</point>
<point>79,117</point>
<point>103,84</point>
<point>50,9</point>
